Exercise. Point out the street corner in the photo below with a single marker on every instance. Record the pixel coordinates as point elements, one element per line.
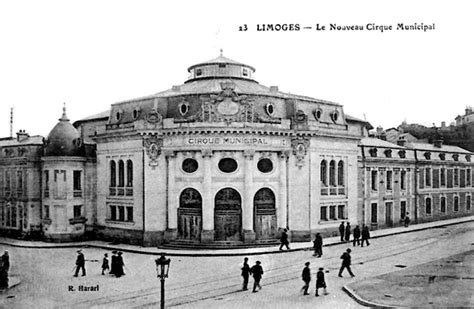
<point>359,299</point>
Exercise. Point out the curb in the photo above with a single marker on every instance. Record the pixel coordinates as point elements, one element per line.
<point>362,301</point>
<point>215,254</point>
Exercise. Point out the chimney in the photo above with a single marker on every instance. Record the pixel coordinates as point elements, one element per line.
<point>22,135</point>
<point>438,143</point>
<point>273,89</point>
<point>401,141</point>
<point>443,124</point>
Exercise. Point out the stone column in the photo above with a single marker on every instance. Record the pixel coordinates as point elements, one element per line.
<point>282,210</point>
<point>207,234</point>
<point>248,209</point>
<point>172,229</point>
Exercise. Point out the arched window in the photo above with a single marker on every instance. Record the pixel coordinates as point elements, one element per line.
<point>324,173</point>
<point>428,206</point>
<point>121,173</point>
<point>113,174</point>
<point>332,173</point>
<point>129,173</point>
<point>340,173</point>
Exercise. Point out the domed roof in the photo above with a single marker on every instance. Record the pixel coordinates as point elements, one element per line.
<point>64,139</point>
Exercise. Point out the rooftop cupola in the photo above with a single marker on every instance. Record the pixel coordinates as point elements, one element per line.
<point>220,67</point>
<point>64,139</point>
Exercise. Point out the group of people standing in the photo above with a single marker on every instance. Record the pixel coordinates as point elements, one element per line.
<point>320,280</point>
<point>116,265</point>
<point>345,233</point>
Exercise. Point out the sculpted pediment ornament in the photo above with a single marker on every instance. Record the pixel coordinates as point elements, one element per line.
<point>153,146</point>
<point>300,147</point>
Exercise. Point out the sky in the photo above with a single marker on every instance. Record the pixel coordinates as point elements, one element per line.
<point>91,54</point>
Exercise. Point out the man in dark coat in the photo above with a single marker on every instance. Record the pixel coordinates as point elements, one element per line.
<point>318,245</point>
<point>320,281</point>
<point>306,276</point>
<point>245,274</point>
<point>119,267</point>
<point>284,240</point>
<point>80,263</point>
<point>346,263</point>
<point>341,230</point>
<point>257,272</point>
<point>6,261</point>
<point>113,263</point>
<point>105,263</point>
<point>365,235</point>
<point>4,266</point>
<point>356,235</point>
<point>348,232</point>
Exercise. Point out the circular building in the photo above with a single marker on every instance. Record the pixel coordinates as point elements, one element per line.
<point>223,159</point>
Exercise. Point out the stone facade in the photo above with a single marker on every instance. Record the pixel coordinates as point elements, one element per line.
<point>224,160</point>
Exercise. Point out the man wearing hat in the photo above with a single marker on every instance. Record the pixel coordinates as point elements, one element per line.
<point>105,263</point>
<point>320,281</point>
<point>113,263</point>
<point>257,272</point>
<point>306,276</point>
<point>346,263</point>
<point>245,274</point>
<point>80,263</point>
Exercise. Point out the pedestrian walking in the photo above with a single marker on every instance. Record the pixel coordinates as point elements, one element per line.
<point>284,240</point>
<point>245,273</point>
<point>365,235</point>
<point>120,264</point>
<point>318,245</point>
<point>113,263</point>
<point>80,263</point>
<point>356,235</point>
<point>320,281</point>
<point>306,276</point>
<point>346,263</point>
<point>342,230</point>
<point>406,221</point>
<point>6,261</point>
<point>105,263</point>
<point>347,235</point>
<point>4,266</point>
<point>257,272</point>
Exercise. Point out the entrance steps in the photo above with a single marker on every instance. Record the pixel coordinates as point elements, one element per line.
<point>196,245</point>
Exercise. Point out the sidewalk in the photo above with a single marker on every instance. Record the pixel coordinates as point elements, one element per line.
<point>297,246</point>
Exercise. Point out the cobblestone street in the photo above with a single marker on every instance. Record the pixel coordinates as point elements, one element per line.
<point>215,282</point>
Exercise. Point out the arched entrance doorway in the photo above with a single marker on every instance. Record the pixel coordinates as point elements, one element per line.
<point>227,215</point>
<point>265,223</point>
<point>190,215</point>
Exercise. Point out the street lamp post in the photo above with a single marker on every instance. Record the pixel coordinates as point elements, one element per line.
<point>162,269</point>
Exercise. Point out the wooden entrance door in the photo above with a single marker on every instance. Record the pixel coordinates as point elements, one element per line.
<point>190,215</point>
<point>265,223</point>
<point>227,215</point>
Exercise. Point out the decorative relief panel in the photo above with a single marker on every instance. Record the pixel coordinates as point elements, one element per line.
<point>153,146</point>
<point>300,147</point>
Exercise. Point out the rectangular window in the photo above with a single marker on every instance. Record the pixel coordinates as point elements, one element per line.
<point>422,178</point>
<point>373,177</point>
<point>435,178</point>
<point>456,203</point>
<point>389,180</point>
<point>456,177</point>
<point>129,213</point>
<point>19,182</point>
<point>468,203</point>
<point>198,72</point>
<point>468,177</point>
<point>77,180</point>
<point>462,176</point>
<point>7,183</point>
<point>442,177</point>
<point>46,183</point>
<point>121,214</point>
<point>450,177</point>
<point>442,208</point>
<point>324,213</point>
<point>428,177</point>
<point>373,208</point>
<point>332,212</point>
<point>340,212</point>
<point>113,213</point>
<point>403,176</point>
<point>245,72</point>
<point>46,212</point>
<point>13,217</point>
<point>77,211</point>
<point>403,209</point>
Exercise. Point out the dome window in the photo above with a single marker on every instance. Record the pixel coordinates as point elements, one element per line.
<point>190,165</point>
<point>198,72</point>
<point>245,72</point>
<point>335,116</point>
<point>317,113</point>
<point>270,109</point>
<point>118,115</point>
<point>135,114</point>
<point>228,165</point>
<point>265,165</point>
<point>221,65</point>
<point>183,108</point>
